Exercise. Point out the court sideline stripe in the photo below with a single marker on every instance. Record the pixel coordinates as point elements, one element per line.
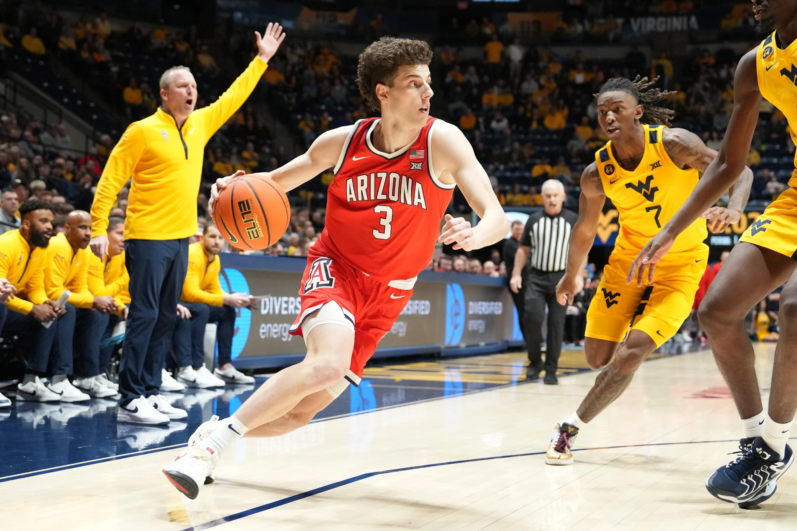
<point>355,479</point>
<point>32,473</point>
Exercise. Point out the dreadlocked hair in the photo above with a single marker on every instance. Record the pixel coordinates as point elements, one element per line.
<point>641,89</point>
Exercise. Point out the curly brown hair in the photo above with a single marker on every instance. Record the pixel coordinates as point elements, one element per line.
<point>379,63</point>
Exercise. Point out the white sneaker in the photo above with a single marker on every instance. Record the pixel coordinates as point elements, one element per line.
<point>208,376</point>
<point>4,401</point>
<point>68,392</point>
<point>160,404</point>
<point>169,384</point>
<point>233,376</point>
<point>36,391</point>
<point>191,378</point>
<point>189,470</point>
<point>107,383</point>
<point>140,411</point>
<point>94,387</point>
<point>203,430</point>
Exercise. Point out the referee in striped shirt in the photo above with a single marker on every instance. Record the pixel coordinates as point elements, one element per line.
<point>547,238</point>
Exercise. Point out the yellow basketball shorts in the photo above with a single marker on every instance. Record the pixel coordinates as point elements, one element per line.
<point>658,309</point>
<point>776,228</point>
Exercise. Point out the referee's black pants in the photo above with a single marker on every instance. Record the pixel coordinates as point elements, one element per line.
<point>157,271</point>
<point>541,290</point>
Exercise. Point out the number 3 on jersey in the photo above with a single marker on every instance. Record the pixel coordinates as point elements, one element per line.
<point>384,221</point>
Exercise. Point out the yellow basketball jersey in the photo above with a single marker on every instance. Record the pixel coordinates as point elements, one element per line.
<point>648,196</point>
<point>777,76</point>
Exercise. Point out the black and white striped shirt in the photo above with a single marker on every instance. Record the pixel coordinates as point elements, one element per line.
<point>549,239</point>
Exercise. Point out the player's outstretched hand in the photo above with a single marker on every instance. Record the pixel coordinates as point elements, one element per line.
<point>648,257</point>
<point>268,44</point>
<point>566,289</point>
<point>720,217</point>
<point>459,232</point>
<point>220,185</point>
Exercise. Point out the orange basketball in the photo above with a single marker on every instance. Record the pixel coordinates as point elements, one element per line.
<point>252,212</point>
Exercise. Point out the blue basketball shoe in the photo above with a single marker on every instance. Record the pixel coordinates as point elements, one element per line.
<point>751,478</point>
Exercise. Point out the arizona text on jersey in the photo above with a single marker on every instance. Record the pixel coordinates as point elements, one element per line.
<point>384,210</point>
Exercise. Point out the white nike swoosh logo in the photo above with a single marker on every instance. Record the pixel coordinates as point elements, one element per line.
<point>393,296</point>
<point>361,158</point>
<point>192,130</point>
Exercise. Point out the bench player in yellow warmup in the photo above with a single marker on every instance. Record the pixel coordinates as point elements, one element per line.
<point>764,259</point>
<point>647,170</point>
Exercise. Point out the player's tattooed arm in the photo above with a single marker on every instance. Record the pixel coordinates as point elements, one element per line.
<point>590,210</point>
<point>687,150</point>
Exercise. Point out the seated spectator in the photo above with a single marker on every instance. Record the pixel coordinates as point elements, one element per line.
<point>223,167</point>
<point>517,197</point>
<point>103,25</point>
<point>584,130</point>
<point>206,62</point>
<point>460,264</point>
<point>32,43</point>
<point>204,298</point>
<point>542,170</point>
<point>499,124</point>
<point>474,266</point>
<point>159,37</point>
<point>468,120</point>
<point>23,255</point>
<point>62,138</point>
<point>753,157</point>
<point>307,125</point>
<point>490,269</point>
<point>556,119</point>
<point>8,212</point>
<point>444,263</point>
<point>561,170</point>
<point>133,99</point>
<point>79,330</point>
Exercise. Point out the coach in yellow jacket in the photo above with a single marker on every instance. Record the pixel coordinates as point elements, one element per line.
<point>208,303</point>
<point>163,154</point>
<point>78,335</point>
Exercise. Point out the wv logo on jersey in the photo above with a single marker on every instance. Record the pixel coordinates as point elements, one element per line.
<point>609,296</point>
<point>233,281</point>
<point>644,188</point>
<point>758,226</point>
<point>320,277</point>
<point>791,74</point>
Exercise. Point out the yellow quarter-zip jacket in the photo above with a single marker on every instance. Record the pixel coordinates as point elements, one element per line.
<point>67,269</point>
<point>202,279</point>
<point>165,164</point>
<point>109,278</point>
<point>24,269</point>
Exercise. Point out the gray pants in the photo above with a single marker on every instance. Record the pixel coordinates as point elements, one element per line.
<point>541,291</point>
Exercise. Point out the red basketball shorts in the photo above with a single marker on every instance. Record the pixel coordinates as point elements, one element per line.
<point>371,306</point>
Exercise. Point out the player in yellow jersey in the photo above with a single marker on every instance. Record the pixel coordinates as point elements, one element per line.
<point>763,260</point>
<point>647,170</point>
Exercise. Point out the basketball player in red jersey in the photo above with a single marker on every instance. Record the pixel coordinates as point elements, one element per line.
<point>394,178</point>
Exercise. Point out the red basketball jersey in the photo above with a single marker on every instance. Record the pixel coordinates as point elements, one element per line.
<point>384,210</point>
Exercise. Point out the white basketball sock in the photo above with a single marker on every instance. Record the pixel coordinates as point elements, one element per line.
<point>574,421</point>
<point>754,426</point>
<point>228,431</point>
<point>776,435</point>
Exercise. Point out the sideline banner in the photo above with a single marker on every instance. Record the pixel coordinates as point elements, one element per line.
<point>446,310</point>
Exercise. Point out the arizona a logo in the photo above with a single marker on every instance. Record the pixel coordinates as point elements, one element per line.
<point>319,276</point>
